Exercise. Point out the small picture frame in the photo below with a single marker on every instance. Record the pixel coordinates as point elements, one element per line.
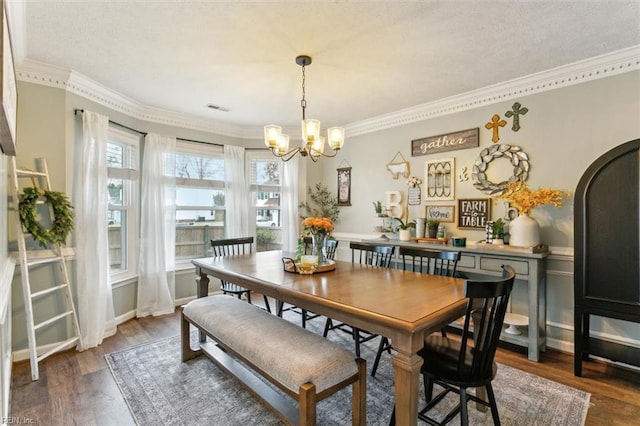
<point>439,179</point>
<point>344,186</point>
<point>441,213</point>
<point>473,213</point>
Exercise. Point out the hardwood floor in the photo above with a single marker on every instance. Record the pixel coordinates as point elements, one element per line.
<point>76,388</point>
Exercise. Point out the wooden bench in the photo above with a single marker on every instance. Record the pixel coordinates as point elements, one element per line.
<point>304,365</point>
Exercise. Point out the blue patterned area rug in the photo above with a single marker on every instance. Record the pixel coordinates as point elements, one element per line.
<point>161,390</point>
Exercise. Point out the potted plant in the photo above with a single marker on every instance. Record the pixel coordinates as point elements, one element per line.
<point>377,205</point>
<point>432,227</point>
<point>404,229</point>
<point>498,232</point>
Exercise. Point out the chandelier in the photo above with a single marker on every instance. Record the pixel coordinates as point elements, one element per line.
<point>312,143</point>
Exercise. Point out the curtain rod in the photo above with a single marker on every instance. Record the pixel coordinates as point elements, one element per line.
<point>80,111</point>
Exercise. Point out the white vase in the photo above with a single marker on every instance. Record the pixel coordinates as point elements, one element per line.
<point>524,231</point>
<point>404,235</point>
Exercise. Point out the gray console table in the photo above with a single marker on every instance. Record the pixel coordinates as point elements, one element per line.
<point>482,260</point>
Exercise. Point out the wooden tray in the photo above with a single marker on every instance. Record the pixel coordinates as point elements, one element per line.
<point>431,240</point>
<point>540,248</point>
<point>291,266</point>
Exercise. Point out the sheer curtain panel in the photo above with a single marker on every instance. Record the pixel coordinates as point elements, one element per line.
<point>236,193</point>
<point>290,219</point>
<point>95,300</point>
<point>156,283</point>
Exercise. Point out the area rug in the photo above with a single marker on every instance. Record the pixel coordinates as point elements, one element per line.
<point>161,390</point>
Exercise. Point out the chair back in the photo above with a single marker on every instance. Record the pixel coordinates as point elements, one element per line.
<point>428,261</point>
<point>371,254</point>
<point>330,247</point>
<point>232,246</point>
<point>486,307</point>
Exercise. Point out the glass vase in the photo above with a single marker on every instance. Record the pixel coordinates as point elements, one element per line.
<point>317,249</point>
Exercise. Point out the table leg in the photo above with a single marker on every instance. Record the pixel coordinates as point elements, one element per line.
<point>406,370</point>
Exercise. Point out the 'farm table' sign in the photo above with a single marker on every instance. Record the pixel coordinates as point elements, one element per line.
<point>473,213</point>
<point>448,142</point>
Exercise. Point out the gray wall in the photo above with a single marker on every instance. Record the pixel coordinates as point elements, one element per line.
<point>563,132</point>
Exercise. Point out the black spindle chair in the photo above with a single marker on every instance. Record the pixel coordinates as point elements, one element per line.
<point>457,365</point>
<point>234,247</point>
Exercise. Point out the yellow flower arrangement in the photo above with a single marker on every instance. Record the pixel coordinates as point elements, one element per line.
<point>318,225</point>
<point>522,198</point>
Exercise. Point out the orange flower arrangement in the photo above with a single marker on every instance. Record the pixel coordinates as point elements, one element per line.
<point>318,225</point>
<point>522,198</point>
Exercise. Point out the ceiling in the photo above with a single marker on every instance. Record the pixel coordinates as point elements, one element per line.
<point>369,57</point>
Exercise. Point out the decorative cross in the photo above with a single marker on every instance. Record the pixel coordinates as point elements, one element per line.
<point>516,113</point>
<point>495,124</point>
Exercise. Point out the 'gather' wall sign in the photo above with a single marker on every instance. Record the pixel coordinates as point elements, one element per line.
<point>447,142</point>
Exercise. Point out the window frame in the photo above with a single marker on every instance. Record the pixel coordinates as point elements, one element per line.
<point>130,204</point>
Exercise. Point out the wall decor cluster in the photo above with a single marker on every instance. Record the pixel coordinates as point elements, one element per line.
<point>518,158</point>
<point>344,186</point>
<point>441,213</point>
<point>516,111</point>
<point>446,142</point>
<point>473,213</point>
<point>399,168</point>
<point>439,179</point>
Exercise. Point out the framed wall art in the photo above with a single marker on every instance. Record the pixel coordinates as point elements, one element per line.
<point>439,179</point>
<point>344,186</point>
<point>473,213</point>
<point>8,91</point>
<point>442,213</point>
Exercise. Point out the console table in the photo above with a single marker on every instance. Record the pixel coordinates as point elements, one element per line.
<point>486,260</point>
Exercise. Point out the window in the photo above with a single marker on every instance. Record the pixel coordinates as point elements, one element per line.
<point>200,198</point>
<point>265,173</point>
<point>122,218</point>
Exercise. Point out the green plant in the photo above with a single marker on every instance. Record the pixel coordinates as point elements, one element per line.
<point>62,216</point>
<point>433,224</point>
<point>265,236</point>
<point>322,203</point>
<point>498,228</point>
<point>403,225</point>
<point>377,205</point>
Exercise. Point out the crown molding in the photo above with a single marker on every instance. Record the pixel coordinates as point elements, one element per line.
<point>607,65</point>
<point>614,63</point>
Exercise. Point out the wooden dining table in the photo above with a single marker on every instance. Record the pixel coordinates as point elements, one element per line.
<point>401,305</point>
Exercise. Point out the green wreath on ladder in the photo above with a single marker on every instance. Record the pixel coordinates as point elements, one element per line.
<point>62,216</point>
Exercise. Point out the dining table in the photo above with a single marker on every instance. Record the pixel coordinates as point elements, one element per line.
<point>403,306</point>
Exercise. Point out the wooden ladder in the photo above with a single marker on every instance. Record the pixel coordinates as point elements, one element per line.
<point>68,310</point>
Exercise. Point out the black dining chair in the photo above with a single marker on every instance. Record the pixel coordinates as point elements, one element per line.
<point>234,247</point>
<point>366,254</point>
<point>468,362</point>
<point>425,261</point>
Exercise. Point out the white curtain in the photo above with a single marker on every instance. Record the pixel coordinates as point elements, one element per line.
<point>290,201</point>
<point>156,283</point>
<point>236,193</point>
<point>96,316</point>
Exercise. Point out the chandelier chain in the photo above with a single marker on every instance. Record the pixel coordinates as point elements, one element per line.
<point>303,102</point>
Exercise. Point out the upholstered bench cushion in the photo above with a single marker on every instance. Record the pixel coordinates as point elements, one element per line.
<point>290,354</point>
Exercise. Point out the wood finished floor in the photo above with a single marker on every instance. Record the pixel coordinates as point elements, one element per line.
<point>76,388</point>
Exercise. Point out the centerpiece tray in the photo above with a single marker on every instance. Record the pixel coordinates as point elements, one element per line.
<point>290,265</point>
